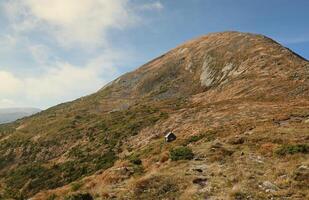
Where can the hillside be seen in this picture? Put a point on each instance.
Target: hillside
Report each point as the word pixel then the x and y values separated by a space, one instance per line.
pixel 11 114
pixel 237 102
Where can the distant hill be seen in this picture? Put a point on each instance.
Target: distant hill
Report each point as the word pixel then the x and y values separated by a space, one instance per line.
pixel 238 104
pixel 12 114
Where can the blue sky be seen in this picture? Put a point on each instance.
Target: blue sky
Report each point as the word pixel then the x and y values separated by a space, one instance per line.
pixel 53 51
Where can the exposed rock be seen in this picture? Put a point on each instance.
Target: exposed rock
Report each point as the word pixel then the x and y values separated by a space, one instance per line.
pixel 198 170
pixel 200 181
pixel 269 187
pixel 236 140
pixel 208 74
pixel 302 173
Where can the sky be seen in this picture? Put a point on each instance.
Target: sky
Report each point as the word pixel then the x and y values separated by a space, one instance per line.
pixel 53 51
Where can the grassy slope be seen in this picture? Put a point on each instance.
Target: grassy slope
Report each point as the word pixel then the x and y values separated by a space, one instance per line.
pixel 235 126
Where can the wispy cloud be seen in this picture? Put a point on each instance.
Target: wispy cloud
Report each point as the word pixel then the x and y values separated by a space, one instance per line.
pixel 71 23
pixel 39 29
pixel 152 6
pixel 59 83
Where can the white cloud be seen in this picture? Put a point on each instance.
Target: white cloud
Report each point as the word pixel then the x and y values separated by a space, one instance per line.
pixel 40 53
pixel 70 23
pixel 7 103
pixel 9 84
pixel 8 40
pixel 59 83
pixel 35 26
pixel 152 6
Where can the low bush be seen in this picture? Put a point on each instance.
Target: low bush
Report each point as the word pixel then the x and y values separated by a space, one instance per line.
pixel 134 159
pixel 292 149
pixel 194 138
pixel 181 153
pixel 76 186
pixel 79 196
pixel 209 136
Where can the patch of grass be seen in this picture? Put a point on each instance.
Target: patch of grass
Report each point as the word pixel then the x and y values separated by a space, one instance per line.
pixel 33 178
pixel 6 129
pixel 134 159
pixel 194 138
pixel 105 161
pixel 181 153
pixel 156 187
pixel 76 186
pixel 79 196
pixel 37 177
pixel 210 135
pixel 292 149
pixel 107 133
pixel 11 194
pixel 238 195
pixel 122 124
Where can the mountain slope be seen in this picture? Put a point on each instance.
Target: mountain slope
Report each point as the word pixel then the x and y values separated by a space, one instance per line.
pixel 12 114
pixel 240 101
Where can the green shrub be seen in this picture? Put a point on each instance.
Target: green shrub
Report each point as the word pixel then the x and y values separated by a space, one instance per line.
pixel 76 186
pixel 209 135
pixel 52 197
pixel 181 153
pixel 134 159
pixel 293 149
pixel 105 161
pixel 194 138
pixel 239 195
pixel 79 196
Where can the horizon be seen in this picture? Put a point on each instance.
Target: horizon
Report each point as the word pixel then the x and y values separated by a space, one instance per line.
pixel 48 59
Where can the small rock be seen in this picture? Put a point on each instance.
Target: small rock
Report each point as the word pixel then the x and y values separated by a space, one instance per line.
pixel 269 187
pixel 198 159
pixel 216 145
pixel 284 176
pixel 200 181
pixel 236 140
pixel 257 159
pixel 301 173
pixel 198 170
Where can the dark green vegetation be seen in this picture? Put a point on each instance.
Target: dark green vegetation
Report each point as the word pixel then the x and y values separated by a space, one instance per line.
pixel 293 149
pixel 134 159
pixel 35 177
pixel 208 136
pixel 105 135
pixel 79 196
pixel 76 186
pixel 181 153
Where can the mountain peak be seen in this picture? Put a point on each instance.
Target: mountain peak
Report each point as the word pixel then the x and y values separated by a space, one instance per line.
pixel 225 60
pixel 233 101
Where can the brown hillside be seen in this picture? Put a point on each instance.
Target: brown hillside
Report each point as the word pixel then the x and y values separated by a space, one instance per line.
pixel 239 101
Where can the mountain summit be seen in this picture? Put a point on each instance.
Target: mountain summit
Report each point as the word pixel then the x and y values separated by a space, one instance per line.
pixel 237 103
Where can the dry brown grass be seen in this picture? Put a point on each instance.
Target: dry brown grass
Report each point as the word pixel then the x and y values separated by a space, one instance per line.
pixel 258 100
